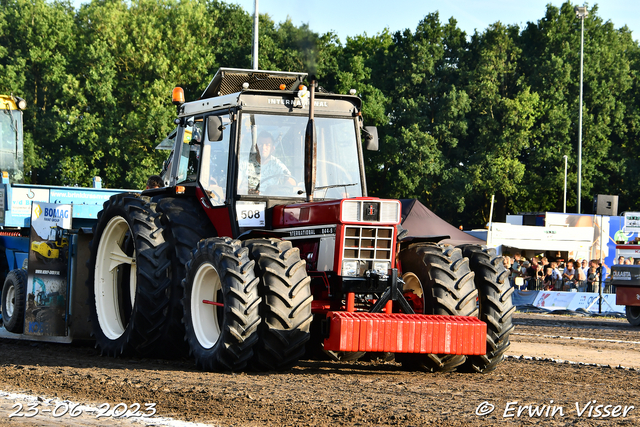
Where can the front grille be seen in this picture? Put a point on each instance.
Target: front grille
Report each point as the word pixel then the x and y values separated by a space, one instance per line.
pixel 388 211
pixel 367 244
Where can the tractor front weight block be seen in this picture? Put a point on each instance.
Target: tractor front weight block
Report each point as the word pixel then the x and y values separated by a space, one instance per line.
pixel 405 333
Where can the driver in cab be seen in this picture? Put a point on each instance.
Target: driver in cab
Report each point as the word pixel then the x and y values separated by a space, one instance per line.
pixel 268 171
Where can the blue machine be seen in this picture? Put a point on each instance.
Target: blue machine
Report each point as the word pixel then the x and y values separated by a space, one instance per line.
pixel 17 198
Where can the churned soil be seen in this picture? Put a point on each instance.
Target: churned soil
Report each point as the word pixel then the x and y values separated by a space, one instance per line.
pixel 538 382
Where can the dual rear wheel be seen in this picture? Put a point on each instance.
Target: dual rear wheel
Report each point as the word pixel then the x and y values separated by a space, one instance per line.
pixel 243 304
pixel 246 305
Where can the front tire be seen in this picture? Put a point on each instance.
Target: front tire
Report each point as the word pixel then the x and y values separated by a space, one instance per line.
pixel 13 301
pixel 286 303
pixel 129 279
pixel 221 338
pixel 495 305
pixel 448 287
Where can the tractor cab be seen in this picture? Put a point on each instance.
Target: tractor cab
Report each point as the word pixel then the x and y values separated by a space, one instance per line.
pixel 242 145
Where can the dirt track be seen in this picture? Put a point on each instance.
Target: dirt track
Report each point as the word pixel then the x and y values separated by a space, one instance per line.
pixel 350 394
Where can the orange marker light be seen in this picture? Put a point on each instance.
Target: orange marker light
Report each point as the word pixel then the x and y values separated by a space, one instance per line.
pixel 177 96
pixel 283 86
pixel 180 189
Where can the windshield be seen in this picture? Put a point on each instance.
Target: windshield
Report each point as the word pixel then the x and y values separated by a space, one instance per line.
pixel 271 157
pixel 11 151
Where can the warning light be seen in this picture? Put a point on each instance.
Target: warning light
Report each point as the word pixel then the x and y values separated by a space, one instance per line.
pixel 177 96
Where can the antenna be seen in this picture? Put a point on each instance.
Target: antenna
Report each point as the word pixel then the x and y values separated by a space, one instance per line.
pixel 254 50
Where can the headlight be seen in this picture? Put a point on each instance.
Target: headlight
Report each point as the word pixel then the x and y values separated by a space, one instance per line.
pixel 381 267
pixel 349 268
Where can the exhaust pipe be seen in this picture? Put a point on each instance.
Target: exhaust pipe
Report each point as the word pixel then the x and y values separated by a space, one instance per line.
pixel 310 147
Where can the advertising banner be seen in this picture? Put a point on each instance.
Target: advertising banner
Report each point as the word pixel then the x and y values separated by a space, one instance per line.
pixel 47 288
pixel 575 300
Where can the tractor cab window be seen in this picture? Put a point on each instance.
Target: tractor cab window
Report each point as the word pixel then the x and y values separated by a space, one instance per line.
pixel 11 140
pixel 215 158
pixel 271 157
pixel 190 151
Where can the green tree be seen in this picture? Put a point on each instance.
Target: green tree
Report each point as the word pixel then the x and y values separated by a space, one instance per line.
pixel 37 47
pixel 118 105
pixel 551 65
pixel 503 111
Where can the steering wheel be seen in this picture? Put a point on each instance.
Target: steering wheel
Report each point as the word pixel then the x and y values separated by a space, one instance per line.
pixel 278 185
pixel 346 175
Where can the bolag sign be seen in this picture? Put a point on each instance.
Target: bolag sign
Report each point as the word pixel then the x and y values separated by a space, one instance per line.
pixel 47 284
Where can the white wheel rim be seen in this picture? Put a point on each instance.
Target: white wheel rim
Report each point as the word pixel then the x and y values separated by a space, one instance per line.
pixel 109 257
pixel 412 283
pixel 204 317
pixel 11 301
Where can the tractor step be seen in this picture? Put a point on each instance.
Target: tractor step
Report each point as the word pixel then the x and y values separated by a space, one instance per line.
pixel 405 333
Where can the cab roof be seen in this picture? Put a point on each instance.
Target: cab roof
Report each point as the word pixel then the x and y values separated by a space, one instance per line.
pixel 231 80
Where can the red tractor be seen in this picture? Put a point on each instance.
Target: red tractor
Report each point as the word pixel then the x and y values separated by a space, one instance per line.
pixel 264 245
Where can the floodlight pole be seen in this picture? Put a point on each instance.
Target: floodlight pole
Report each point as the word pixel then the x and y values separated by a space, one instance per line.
pixel 564 209
pixel 254 50
pixel 581 13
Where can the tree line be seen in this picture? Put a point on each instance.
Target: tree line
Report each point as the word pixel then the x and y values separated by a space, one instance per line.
pixel 461 116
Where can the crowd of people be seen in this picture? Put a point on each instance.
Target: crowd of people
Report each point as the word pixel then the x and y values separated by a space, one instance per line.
pixel 540 273
pixel 627 261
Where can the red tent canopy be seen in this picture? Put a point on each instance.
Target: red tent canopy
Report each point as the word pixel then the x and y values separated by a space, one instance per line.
pixel 420 221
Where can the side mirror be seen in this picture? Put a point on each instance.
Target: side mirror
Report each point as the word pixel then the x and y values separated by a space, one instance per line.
pixel 371 138
pixel 214 128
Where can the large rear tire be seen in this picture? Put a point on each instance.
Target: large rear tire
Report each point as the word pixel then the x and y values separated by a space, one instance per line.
pixel 448 289
pixel 221 338
pixel 129 279
pixel 495 305
pixel 184 224
pixel 13 301
pixel 286 303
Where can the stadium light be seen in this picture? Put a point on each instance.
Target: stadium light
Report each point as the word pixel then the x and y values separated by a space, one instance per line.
pixel 581 13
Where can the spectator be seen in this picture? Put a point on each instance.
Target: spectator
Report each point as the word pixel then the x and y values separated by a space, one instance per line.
pixel 527 274
pixel 627 262
pixel 155 181
pixel 603 271
pixel 557 276
pixel 620 260
pixel 568 277
pixel 549 283
pixel 535 262
pixel 545 262
pixel 584 264
pixel 592 279
pixel 516 261
pixel 539 277
pixel 581 282
pixel 516 269
pixel 506 261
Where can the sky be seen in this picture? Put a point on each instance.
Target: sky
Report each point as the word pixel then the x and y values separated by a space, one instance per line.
pixel 356 17
pixel 350 18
